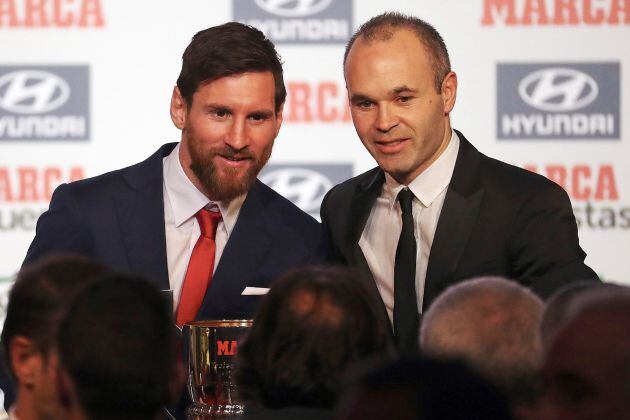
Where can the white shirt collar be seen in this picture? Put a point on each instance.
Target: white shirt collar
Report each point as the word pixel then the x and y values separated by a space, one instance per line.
pixel 186 200
pixel 428 185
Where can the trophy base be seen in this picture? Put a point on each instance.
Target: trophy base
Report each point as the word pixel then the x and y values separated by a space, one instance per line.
pixel 204 412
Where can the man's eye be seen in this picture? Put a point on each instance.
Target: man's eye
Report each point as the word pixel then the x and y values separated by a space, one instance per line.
pixel 404 99
pixel 258 117
pixel 365 104
pixel 220 113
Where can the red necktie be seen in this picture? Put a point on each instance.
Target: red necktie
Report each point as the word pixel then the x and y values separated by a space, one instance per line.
pixel 200 266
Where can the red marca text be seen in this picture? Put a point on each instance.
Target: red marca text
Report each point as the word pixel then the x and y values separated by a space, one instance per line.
pixel 27 184
pixel 556 12
pixel 51 13
pixel 581 181
pixel 316 102
pixel 226 348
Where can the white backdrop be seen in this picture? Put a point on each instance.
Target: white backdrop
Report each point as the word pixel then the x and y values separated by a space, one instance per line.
pixel 119 61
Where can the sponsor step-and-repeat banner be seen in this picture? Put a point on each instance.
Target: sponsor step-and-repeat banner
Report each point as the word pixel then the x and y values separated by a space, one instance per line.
pixel 85 87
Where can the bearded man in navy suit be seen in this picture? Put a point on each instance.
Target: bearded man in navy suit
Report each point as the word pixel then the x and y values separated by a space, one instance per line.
pixel 145 218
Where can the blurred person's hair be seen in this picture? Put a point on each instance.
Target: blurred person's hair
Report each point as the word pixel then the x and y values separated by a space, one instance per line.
pixel 226 50
pixel 117 346
pixel 421 389
pixel 40 296
pixel 563 305
pixel 312 327
pixel 382 28
pixel 492 324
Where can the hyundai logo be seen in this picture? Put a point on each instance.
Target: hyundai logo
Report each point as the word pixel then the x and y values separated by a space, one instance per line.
pixel 304 187
pixel 32 92
pixel 558 89
pixel 293 8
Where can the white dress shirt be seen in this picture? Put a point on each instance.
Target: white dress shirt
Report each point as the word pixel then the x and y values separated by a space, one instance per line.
pixel 182 200
pixel 381 232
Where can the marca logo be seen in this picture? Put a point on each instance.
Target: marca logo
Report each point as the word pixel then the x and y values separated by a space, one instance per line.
pixel 321 102
pixel 227 348
pixel 51 13
pixel 593 188
pixel 305 185
pixel 32 92
pixel 293 8
pixel 298 21
pixel 558 89
pixel 555 12
pixel 558 101
pixel 44 103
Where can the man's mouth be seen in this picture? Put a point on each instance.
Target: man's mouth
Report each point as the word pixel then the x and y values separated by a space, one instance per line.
pixel 391 146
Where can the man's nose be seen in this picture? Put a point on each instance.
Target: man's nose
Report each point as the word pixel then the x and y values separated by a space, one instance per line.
pixel 237 135
pixel 386 118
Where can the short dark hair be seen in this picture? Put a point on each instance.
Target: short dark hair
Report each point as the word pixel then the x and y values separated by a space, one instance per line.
pixel 225 50
pixel 314 325
pixel 381 27
pixel 117 345
pixel 40 296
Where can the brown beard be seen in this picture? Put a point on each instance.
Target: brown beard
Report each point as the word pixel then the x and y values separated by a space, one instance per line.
pixel 231 182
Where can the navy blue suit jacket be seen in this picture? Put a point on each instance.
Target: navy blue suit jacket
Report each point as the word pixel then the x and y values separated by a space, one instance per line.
pixel 118 218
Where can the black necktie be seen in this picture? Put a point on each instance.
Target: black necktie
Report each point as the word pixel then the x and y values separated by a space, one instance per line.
pixel 406 321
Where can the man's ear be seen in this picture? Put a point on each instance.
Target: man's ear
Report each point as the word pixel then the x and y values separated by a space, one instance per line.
pixel 26 360
pixel 449 92
pixel 179 109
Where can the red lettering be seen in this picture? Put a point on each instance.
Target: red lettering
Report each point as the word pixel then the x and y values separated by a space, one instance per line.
pixel 531 167
pixel 497 7
pixel 52 177
pixel 326 112
pixel 5 186
pixel 298 102
pixel 565 11
pixel 91 14
pixel 62 17
pixel 535 7
pixel 28 184
pixel 592 17
pixel 46 13
pixel 7 13
pixel 606 185
pixel 226 348
pixel 35 14
pixel 618 7
pixel 580 175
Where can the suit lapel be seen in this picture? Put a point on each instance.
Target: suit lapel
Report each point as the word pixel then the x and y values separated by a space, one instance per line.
pixel 457 219
pixel 140 212
pixel 244 252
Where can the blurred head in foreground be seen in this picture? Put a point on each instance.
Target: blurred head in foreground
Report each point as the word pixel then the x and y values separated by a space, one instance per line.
pixel 37 302
pixel 586 372
pixel 492 324
pixel 419 389
pixel 117 351
pixel 313 326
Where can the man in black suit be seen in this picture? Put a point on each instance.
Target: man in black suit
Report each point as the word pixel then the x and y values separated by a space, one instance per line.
pixel 198 200
pixel 435 211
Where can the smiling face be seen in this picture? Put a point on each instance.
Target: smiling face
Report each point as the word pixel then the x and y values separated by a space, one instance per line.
pixel 227 132
pixel 398 114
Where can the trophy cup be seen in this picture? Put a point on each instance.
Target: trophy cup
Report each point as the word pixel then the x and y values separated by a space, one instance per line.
pixel 213 345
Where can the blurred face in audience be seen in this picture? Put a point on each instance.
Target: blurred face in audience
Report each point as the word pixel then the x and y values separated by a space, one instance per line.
pixel 587 370
pixel 37 377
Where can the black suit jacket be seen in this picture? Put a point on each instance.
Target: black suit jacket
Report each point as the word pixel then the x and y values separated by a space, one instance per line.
pixel 496 219
pixel 118 218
